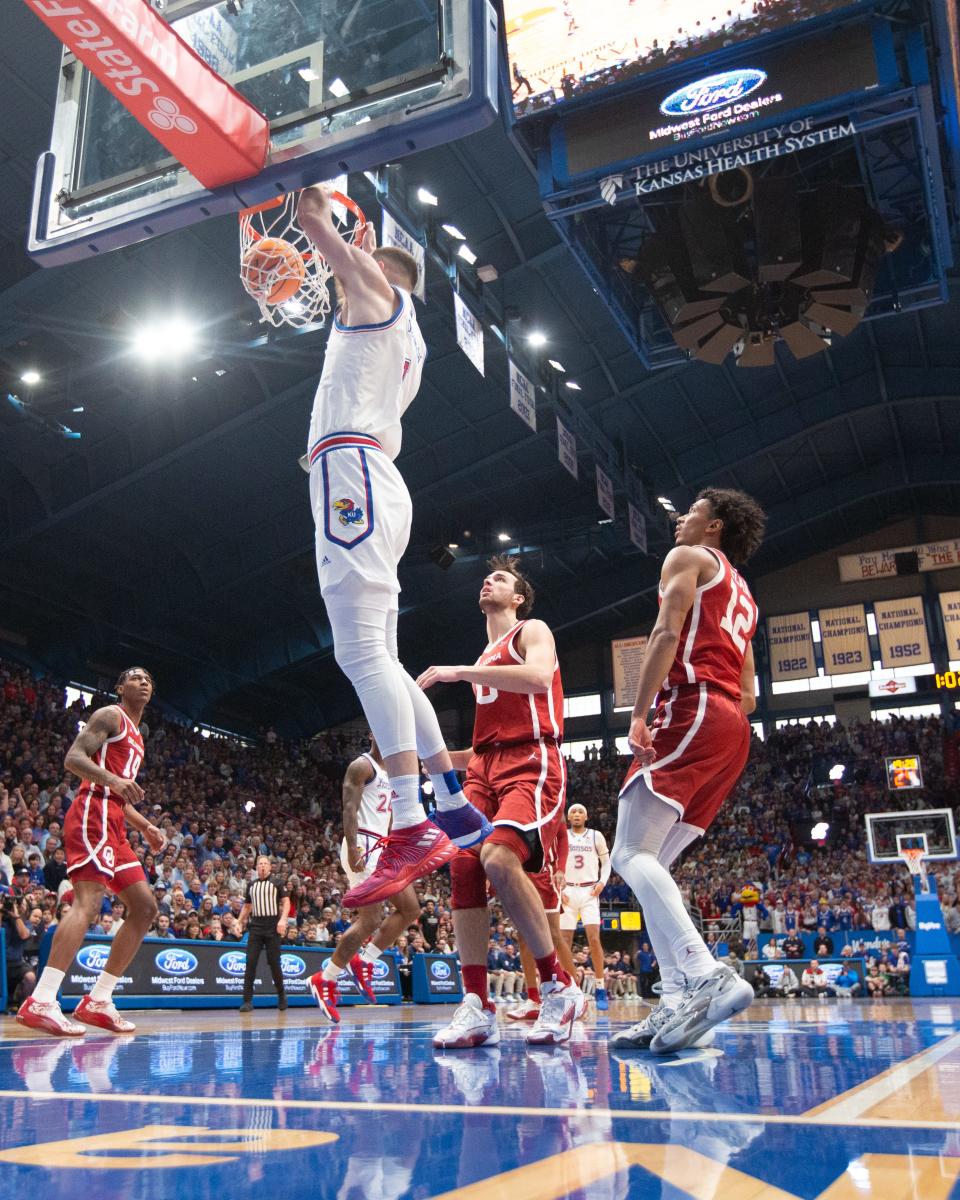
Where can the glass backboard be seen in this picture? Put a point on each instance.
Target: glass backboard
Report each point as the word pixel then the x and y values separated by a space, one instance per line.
pixel 346 85
pixel 886 833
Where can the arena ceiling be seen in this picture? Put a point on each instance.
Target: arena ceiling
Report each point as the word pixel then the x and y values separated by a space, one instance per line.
pixel 177 530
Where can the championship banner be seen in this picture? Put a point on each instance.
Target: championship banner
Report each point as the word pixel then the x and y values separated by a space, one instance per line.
pixel 628 655
pixel 638 528
pixel 469 333
pixel 950 608
pixel 902 632
pixel 394 234
pixel 882 564
pixel 846 645
pixel 605 493
pixel 218 135
pixel 567 448
pixel 523 399
pixel 790 646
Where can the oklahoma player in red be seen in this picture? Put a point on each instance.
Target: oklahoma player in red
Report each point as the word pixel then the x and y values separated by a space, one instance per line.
pixel 517 777
pixel 106 754
pixel 699 666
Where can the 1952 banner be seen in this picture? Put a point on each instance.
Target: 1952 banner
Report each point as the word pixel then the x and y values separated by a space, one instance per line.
pixel 950 608
pixel 846 646
pixel 790 643
pixel 902 632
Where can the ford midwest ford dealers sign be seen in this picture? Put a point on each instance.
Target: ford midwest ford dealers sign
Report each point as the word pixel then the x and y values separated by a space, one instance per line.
pixel 714 91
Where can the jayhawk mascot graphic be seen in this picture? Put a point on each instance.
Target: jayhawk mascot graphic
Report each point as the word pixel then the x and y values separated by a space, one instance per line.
pixel 349 513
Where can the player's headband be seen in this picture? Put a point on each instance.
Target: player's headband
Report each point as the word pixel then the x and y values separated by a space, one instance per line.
pixel 125 675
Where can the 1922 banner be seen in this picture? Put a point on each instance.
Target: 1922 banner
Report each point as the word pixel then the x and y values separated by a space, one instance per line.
pixel 902 632
pixel 846 646
pixel 790 643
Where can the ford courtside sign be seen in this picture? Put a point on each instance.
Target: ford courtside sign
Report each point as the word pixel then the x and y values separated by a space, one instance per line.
pixel 713 92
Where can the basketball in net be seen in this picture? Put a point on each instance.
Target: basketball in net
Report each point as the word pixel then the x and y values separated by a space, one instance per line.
pixel 281 268
pixel 272 270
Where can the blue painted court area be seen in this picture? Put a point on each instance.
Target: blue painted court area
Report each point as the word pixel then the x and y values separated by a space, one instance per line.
pixel 834 1100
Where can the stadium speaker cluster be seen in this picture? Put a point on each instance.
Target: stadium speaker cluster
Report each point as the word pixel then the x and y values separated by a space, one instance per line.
pixel 745 263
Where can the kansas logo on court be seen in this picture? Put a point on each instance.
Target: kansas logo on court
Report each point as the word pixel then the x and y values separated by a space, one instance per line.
pixel 349 513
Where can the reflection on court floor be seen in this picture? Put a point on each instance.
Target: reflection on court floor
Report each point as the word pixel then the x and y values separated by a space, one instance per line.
pixel 830 1101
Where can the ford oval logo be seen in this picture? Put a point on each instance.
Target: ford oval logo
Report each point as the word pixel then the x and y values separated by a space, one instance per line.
pixel 234 962
pixel 176 962
pixel 713 91
pixel 292 965
pixel 440 970
pixel 380 969
pixel 93 958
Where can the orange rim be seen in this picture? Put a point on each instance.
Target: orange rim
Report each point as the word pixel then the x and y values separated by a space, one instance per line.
pixel 351 206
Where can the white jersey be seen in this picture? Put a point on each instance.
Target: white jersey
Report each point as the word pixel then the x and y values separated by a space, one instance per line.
pixel 374 815
pixel 583 857
pixel 371 374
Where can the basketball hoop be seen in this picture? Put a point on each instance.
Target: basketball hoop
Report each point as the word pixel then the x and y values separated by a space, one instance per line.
pixel 281 268
pixel 916 863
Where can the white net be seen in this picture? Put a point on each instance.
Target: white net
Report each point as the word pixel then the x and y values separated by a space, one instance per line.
pixel 281 268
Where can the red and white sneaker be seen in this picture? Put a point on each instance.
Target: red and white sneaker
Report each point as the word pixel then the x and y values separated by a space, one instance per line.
pixel 529 1010
pixel 471 1025
pixel 363 973
pixel 408 854
pixel 558 1010
pixel 103 1014
pixel 326 993
pixel 47 1016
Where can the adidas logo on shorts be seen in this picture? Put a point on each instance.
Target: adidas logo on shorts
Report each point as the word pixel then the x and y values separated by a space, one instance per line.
pixel 324 562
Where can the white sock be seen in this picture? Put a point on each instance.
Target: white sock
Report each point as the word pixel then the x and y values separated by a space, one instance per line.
pixel 331 971
pixel 405 805
pixel 103 988
pixel 48 986
pixel 370 952
pixel 447 789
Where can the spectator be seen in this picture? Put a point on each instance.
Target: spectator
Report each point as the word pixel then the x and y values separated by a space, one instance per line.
pixel 646 963
pixel 823 944
pixel 813 982
pixel 430 924
pixel 792 947
pixel 18 933
pixel 846 983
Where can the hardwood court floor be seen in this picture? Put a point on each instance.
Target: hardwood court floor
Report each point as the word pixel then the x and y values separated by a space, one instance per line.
pixel 832 1100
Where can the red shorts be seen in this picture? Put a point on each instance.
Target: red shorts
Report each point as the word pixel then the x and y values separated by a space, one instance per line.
pixel 702 740
pixel 522 789
pixel 547 891
pixel 95 841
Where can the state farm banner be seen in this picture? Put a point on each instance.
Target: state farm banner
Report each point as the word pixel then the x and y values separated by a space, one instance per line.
pixel 218 135
pixel 628 655
pixel 790 647
pixel 523 399
pixel 567 448
pixel 882 564
pixel 469 333
pixel 394 234
pixel 950 608
pixel 605 493
pixel 846 645
pixel 902 632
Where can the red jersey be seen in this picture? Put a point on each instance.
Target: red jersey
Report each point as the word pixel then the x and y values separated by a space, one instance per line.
pixel 121 755
pixel 716 633
pixel 509 718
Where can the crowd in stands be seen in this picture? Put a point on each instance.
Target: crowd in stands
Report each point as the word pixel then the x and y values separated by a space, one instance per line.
pixel 223 801
pixel 727 25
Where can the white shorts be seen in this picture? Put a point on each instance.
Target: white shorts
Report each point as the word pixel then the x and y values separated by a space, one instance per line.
pixel 580 906
pixel 367 842
pixel 361 510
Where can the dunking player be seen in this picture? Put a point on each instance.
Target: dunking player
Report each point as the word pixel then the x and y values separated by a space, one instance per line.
pixel 361 508
pixel 106 754
pixel 586 875
pixel 517 776
pixel 366 823
pixel 700 660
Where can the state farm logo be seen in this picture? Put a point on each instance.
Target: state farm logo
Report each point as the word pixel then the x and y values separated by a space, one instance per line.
pixel 713 91
pixel 166 115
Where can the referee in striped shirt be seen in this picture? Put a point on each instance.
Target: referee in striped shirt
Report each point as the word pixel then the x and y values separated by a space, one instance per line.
pixel 265 909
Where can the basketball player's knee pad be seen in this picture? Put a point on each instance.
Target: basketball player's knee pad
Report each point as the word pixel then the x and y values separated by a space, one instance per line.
pixel 468 881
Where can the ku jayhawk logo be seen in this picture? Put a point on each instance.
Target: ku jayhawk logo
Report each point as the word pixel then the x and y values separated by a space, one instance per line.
pixel 350 513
